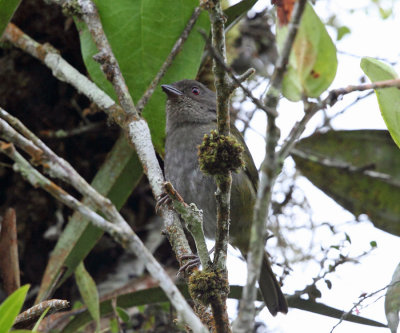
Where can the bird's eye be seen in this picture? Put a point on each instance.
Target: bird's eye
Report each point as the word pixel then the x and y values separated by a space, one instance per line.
pixel 195 90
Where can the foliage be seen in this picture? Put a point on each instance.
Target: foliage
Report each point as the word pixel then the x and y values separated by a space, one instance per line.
pixel 389 98
pixel 11 307
pixel 312 63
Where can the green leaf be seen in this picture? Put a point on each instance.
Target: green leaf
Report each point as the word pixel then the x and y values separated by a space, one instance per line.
pixel 325 310
pixel 114 325
pixel 88 290
pixel 236 12
pixel 388 98
pixel 312 62
pixel 156 295
pixel 7 10
pixel 385 13
pixel 123 314
pixel 359 169
pixel 116 179
pixel 36 327
pixel 342 31
pixel 392 301
pixel 142 34
pixel 11 307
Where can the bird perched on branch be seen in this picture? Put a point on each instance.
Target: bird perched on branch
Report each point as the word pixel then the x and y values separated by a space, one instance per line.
pixel 191 113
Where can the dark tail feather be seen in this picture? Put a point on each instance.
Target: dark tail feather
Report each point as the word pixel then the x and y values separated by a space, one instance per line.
pixel 270 289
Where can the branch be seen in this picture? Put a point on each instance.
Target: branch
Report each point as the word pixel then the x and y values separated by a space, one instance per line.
pixel 36 179
pixel 362 299
pixel 269 171
pixel 54 165
pixel 224 87
pixel 193 218
pixel 330 100
pixel 295 133
pixel 336 93
pixel 238 81
pixel 62 70
pixel 105 57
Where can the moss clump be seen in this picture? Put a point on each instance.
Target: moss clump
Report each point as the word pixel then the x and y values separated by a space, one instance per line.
pixel 219 154
pixel 207 286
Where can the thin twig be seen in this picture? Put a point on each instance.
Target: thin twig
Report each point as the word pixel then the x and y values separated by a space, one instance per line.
pixel 363 298
pixel 234 78
pixel 330 100
pixel 336 93
pixel 167 63
pixel 62 134
pixel 328 120
pixel 295 133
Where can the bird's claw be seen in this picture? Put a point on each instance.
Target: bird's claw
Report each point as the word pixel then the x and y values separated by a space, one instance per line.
pixel 163 200
pixel 193 261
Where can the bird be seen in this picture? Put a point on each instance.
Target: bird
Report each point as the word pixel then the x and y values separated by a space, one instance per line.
pixel 190 114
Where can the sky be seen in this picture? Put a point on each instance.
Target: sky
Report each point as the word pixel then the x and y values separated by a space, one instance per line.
pixel 370 36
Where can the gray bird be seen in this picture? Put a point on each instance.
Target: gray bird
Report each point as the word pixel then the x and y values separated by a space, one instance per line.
pixel 191 113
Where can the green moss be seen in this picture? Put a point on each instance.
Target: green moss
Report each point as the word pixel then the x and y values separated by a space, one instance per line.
pixel 219 154
pixel 207 286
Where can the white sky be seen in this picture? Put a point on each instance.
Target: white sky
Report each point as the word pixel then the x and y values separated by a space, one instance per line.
pixel 374 37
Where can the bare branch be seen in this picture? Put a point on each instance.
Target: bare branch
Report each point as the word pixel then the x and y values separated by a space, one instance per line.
pixel 62 70
pixel 336 93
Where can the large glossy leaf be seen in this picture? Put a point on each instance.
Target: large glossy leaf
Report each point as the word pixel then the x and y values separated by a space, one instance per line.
pixel 7 10
pixel 116 179
pixel 312 62
pixel 359 169
pixel 388 98
pixel 141 34
pixel 156 295
pixel 11 307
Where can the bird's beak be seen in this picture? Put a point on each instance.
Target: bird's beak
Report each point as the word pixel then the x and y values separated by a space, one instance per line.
pixel 171 91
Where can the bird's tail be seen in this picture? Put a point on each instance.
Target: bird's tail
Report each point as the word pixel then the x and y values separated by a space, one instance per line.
pixel 270 289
